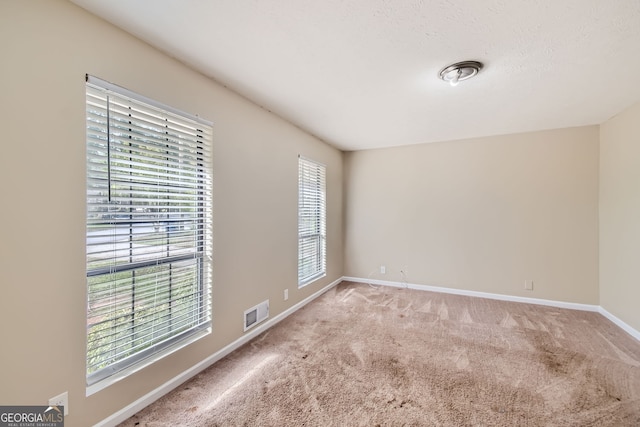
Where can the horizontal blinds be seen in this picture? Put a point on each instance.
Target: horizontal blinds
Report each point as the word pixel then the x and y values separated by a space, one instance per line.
pixel 311 220
pixel 148 227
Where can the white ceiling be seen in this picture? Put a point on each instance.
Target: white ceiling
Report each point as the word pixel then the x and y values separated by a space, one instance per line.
pixel 364 73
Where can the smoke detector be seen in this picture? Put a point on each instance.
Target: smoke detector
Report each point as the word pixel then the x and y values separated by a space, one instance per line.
pixel 455 73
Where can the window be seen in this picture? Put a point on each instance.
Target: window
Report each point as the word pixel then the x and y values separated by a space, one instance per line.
pixel 311 221
pixel 148 229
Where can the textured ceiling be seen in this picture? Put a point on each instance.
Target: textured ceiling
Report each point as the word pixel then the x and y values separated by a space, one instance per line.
pixel 364 73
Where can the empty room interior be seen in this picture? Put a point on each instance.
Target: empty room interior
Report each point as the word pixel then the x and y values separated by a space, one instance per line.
pixel 473 167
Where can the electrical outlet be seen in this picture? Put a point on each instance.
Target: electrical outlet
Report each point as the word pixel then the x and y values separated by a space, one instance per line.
pixel 61 400
pixel 286 294
pixel 528 285
pixel 383 269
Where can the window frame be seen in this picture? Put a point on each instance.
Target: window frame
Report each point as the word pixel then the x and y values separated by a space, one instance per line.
pixel 312 221
pixel 182 318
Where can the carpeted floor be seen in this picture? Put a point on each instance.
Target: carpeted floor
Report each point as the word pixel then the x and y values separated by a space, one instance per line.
pixel 365 356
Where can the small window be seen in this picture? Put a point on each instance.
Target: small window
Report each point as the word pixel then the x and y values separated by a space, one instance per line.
pixel 311 221
pixel 148 229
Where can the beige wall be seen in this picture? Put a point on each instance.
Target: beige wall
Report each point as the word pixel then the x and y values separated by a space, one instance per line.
pixel 47 47
pixel 483 214
pixel 620 216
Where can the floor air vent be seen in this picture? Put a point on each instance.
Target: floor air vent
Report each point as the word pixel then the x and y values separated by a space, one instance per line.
pixel 256 314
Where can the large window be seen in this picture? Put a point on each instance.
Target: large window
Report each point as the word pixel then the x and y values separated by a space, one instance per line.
pixel 311 221
pixel 148 229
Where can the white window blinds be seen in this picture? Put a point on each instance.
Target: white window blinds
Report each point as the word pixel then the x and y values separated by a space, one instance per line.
pixel 148 228
pixel 311 221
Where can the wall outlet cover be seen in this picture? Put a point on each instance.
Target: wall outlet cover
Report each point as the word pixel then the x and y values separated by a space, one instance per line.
pixel 61 400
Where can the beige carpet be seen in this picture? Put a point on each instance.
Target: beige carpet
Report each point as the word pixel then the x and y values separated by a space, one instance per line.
pixel 366 356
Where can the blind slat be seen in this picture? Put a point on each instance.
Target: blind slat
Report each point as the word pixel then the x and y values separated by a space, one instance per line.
pixel 148 227
pixel 311 221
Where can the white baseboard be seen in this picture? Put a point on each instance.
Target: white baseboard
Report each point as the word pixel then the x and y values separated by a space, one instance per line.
pixel 165 388
pixel 624 326
pixel 527 300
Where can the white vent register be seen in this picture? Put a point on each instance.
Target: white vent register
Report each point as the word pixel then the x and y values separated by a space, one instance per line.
pixel 256 314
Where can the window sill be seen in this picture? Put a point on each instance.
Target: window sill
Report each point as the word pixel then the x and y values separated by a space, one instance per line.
pixel 311 280
pixel 102 384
